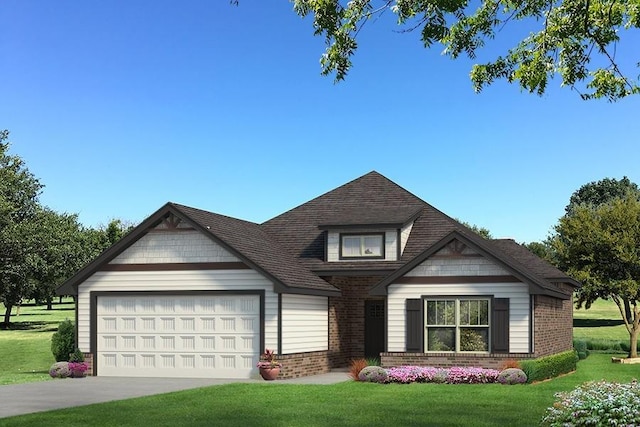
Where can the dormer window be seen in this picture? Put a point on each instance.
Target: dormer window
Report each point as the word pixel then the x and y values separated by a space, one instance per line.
pixel 359 246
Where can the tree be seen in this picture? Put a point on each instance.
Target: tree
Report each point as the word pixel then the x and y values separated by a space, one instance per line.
pixel 543 249
pixel 63 247
pixel 482 231
pixel 600 247
pixel 599 192
pixel 576 39
pixel 19 191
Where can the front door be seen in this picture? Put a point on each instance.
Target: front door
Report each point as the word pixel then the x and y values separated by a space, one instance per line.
pixel 374 328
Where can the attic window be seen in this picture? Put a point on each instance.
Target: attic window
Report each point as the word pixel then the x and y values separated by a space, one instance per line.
pixel 362 246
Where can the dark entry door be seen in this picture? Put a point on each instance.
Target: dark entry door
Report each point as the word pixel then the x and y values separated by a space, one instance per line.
pixel 374 328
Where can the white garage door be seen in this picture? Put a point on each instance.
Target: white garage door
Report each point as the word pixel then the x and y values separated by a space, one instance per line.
pixel 196 336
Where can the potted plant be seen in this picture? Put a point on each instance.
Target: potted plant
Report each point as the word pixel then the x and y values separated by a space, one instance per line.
pixel 268 366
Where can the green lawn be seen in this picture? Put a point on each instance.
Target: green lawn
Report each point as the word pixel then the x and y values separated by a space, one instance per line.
pixel 602 322
pixel 345 404
pixel 25 349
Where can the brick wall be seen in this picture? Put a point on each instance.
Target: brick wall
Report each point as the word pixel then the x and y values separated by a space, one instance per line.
pixel 446 360
pixel 88 359
pixel 346 318
pixel 303 364
pixel 553 325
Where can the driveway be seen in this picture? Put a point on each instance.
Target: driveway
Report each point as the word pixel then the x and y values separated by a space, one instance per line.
pixel 20 399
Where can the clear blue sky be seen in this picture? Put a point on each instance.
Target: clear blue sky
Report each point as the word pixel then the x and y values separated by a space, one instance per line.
pixel 121 106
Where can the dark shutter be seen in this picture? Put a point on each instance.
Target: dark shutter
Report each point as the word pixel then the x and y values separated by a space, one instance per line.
pixel 500 326
pixel 415 328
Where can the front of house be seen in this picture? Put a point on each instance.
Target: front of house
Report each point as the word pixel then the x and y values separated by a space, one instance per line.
pixel 367 269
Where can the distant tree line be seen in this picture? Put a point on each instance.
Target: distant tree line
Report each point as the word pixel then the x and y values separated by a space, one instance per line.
pixel 39 248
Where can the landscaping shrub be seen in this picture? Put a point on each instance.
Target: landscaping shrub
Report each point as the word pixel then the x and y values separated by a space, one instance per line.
pixel 76 356
pixel 512 376
pixel 63 342
pixel 356 366
pixel 550 366
pixel 509 363
pixel 374 374
pixel 580 346
pixel 456 375
pixel 60 370
pixel 596 404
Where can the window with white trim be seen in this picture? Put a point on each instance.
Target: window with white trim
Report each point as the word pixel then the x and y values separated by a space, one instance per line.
pixel 362 246
pixel 457 324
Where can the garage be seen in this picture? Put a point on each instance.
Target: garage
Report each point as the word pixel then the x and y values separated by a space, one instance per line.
pixel 195 336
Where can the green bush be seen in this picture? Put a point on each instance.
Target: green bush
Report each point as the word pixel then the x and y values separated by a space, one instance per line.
pixel 596 404
pixel 63 342
pixel 580 346
pixel 76 356
pixel 549 366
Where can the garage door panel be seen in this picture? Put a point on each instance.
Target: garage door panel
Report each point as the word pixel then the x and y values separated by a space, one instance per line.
pixel 167 336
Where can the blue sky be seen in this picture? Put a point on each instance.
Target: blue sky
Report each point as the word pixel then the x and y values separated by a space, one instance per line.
pixel 121 106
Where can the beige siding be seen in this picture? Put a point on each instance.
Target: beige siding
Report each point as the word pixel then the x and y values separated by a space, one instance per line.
pixel 390 246
pixel 176 281
pixel 519 313
pixel 305 323
pixel 174 247
pixel 404 236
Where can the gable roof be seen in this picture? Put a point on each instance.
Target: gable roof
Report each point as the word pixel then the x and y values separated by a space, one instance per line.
pixel 290 249
pixel 244 239
pixel 501 252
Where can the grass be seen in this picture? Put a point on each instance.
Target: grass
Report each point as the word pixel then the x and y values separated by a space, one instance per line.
pixel 345 404
pixel 30 338
pixel 602 322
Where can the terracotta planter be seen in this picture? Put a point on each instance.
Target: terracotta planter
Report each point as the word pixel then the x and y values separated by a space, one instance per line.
pixel 269 374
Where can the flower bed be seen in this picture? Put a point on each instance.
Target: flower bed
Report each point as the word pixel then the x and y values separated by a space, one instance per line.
pixel 455 375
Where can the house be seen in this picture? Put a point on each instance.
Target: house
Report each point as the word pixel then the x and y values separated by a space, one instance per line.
pixel 367 269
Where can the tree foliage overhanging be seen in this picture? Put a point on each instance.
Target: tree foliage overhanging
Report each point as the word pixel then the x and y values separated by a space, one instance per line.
pixel 575 39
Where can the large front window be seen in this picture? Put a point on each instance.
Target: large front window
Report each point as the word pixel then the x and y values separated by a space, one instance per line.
pixel 362 246
pixel 457 324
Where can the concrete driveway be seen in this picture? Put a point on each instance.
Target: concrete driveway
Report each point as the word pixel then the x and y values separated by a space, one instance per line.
pixel 20 399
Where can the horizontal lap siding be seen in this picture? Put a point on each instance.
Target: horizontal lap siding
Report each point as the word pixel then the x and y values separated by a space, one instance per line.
pixel 518 308
pixel 176 281
pixel 305 323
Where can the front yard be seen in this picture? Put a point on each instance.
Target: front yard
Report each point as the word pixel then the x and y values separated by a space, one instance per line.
pixel 345 404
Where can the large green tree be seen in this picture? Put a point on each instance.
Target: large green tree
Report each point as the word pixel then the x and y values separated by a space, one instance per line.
pixel 62 246
pixel 19 191
pixel 599 245
pixel 575 39
pixel 599 192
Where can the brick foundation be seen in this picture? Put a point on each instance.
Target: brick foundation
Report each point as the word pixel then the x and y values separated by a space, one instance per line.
pixel 304 364
pixel 447 360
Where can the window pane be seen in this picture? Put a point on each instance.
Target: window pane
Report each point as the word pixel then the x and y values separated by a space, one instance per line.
pixel 372 246
pixel 464 312
pixel 441 339
pixel 474 312
pixel 351 246
pixel 450 313
pixel 484 312
pixel 431 313
pixel 474 339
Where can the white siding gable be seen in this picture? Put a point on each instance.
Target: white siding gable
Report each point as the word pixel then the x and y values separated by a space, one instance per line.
pixel 174 247
pixel 305 323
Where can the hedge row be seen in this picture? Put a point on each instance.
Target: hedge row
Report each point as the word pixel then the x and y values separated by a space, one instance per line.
pixel 550 366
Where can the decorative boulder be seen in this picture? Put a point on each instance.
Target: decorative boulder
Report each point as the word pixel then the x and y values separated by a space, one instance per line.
pixel 60 370
pixel 373 374
pixel 512 376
